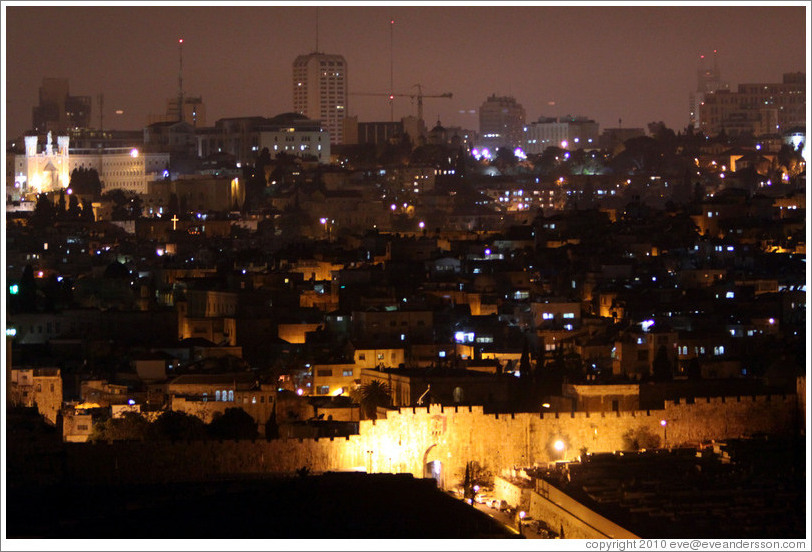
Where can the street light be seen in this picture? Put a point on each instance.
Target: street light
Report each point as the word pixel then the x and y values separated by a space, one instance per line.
pixel 521 521
pixel 665 433
pixel 560 446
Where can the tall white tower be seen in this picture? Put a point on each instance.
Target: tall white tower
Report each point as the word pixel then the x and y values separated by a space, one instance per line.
pixel 320 91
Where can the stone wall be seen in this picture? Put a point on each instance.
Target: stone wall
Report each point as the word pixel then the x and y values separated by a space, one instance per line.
pixel 570 518
pixel 409 438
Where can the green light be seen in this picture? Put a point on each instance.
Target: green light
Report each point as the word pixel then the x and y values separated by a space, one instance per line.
pixel 14 289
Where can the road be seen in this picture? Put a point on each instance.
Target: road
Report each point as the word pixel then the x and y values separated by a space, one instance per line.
pixel 507 521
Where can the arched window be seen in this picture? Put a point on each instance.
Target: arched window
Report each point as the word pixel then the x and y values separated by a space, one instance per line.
pixel 231 396
pixel 217 395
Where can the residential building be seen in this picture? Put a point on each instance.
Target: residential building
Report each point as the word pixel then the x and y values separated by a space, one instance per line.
pixel 40 387
pixel 297 135
pixel 708 81
pixel 320 91
pixel 570 132
pixel 194 112
pixel 501 122
pixel 335 379
pixel 57 110
pixel 756 108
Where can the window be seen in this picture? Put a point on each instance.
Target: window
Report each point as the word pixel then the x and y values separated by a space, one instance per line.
pixel 39 388
pixel 325 373
pixel 362 356
pixel 230 396
pixel 346 373
pixel 547 316
pixel 81 427
pixel 380 356
pixel 216 395
pixel 323 390
pixel 569 315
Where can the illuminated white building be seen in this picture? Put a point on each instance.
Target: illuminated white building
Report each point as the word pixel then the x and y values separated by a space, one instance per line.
pixel 320 91
pixel 49 170
pixel 295 135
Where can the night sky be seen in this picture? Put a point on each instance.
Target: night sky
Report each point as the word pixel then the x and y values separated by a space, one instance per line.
pixel 632 63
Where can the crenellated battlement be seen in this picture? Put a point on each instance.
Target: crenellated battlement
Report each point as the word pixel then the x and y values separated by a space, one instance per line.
pixel 408 440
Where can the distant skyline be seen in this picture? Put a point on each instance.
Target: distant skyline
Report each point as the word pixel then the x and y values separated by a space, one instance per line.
pixel 608 62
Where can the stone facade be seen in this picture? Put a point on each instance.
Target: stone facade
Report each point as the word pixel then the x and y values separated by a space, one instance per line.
pixel 409 439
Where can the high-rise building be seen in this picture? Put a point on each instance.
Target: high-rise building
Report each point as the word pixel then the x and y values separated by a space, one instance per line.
pixel 58 111
pixel 708 81
pixel 320 91
pixel 501 122
pixel 756 108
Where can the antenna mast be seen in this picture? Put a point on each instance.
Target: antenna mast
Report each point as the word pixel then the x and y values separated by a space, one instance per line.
pixel 391 73
pixel 101 112
pixel 317 29
pixel 180 82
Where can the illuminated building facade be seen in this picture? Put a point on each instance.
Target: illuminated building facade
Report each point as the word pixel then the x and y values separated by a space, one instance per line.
pixel 562 132
pixel 296 135
pixel 320 91
pixel 501 122
pixel 757 108
pixel 49 170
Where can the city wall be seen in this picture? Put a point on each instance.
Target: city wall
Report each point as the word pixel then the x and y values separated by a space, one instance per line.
pixel 410 438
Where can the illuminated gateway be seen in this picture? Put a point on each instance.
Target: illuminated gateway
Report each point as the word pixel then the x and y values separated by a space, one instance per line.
pixel 49 170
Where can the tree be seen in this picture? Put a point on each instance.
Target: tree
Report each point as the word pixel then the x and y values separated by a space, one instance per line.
pixel 87 211
pixel 694 369
pixel 661 366
pixel 27 290
pixel 74 211
pixel 640 438
pixel 173 425
pixel 374 394
pixel 272 426
pixel 60 211
pixel 234 423
pixel 131 426
pixel 44 212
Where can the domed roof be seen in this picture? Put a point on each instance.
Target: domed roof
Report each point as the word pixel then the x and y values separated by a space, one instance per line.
pixel 438 127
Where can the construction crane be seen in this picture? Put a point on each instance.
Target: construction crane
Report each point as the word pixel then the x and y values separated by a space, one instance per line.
pixel 419 95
